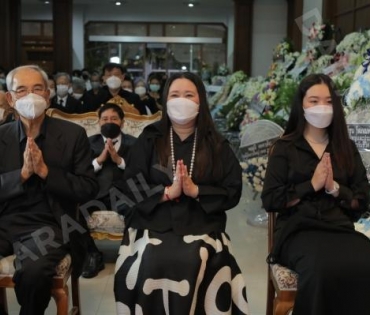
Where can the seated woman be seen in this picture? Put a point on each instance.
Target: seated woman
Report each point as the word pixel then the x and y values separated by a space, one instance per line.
pixel 175 256
pixel 317 183
pixel 148 102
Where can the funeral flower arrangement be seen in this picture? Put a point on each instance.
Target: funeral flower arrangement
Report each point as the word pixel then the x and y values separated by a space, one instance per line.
pixel 359 91
pixel 254 171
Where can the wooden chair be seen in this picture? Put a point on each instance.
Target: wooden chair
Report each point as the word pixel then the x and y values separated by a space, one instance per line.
pixel 126 107
pixel 59 291
pixel 107 224
pixel 281 281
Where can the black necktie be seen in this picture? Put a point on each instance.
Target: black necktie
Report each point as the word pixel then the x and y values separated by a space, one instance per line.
pixel 61 102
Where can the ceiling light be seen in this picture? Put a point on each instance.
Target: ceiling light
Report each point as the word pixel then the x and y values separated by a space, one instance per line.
pixel 118 3
pixel 191 3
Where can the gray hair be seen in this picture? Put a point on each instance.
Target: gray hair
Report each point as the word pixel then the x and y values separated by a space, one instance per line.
pixel 62 74
pixel 12 73
pixel 78 83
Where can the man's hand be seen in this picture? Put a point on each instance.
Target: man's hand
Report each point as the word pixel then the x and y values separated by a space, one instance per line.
pixel 38 163
pixel 27 168
pixel 103 155
pixel 112 152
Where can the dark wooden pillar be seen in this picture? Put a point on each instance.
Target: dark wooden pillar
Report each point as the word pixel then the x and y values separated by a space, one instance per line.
pixel 62 28
pixel 243 13
pixel 294 23
pixel 10 33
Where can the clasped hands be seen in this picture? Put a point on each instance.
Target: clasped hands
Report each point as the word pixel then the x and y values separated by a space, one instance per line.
pixel 323 175
pixel 109 150
pixel 182 183
pixel 33 162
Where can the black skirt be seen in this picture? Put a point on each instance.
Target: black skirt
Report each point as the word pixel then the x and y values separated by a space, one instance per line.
pixel 165 273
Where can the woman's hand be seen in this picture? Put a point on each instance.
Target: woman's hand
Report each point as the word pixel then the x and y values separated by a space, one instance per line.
pixel 320 175
pixel 174 191
pixel 330 184
pixel 188 186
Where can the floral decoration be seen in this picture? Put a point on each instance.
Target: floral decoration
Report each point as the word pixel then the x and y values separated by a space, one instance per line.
pixel 235 115
pixel 254 171
pixel 223 70
pixel 359 91
pixel 352 42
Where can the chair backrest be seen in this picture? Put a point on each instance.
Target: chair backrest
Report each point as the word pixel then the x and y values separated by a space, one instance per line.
pixel 126 106
pixel 270 228
pixel 133 125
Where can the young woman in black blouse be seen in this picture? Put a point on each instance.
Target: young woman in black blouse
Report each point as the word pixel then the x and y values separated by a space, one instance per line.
pixel 317 183
pixel 181 178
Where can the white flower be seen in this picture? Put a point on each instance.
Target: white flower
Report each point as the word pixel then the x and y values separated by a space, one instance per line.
pixel 352 42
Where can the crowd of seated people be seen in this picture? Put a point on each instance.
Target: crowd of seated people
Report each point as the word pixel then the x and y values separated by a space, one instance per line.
pixel 82 91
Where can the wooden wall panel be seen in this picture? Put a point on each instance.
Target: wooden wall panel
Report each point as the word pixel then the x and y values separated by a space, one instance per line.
pixel 344 24
pixel 362 18
pixel 360 3
pixel 344 5
pixel 347 15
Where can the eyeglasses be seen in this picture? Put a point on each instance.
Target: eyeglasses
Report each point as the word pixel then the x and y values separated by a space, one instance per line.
pixel 21 92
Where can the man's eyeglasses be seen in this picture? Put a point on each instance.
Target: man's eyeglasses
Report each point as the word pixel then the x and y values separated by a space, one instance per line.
pixel 21 92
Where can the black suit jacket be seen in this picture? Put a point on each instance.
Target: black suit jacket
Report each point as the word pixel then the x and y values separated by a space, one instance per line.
pixel 110 172
pixel 70 181
pixel 72 105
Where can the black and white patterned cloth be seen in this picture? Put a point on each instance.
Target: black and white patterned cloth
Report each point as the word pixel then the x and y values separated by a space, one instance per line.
pixel 164 273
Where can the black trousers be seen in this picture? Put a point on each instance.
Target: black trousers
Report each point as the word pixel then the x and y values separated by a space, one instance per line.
pixel 38 251
pixel 333 272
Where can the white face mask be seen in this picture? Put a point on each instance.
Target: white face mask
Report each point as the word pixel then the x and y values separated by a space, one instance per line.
pixel 52 93
pixel 140 90
pixel 319 116
pixel 77 96
pixel 31 106
pixel 128 90
pixel 62 90
pixel 182 110
pixel 113 82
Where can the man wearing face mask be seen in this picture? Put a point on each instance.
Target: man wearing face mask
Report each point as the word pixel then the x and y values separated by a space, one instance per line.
pixel 110 149
pixel 62 100
pixel 113 75
pixel 45 172
pixel 80 94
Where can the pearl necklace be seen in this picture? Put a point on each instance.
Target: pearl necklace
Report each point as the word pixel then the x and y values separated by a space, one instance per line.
pixel 173 154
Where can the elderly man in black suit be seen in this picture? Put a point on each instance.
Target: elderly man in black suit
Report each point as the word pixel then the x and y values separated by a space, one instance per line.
pixel 110 149
pixel 45 172
pixel 63 100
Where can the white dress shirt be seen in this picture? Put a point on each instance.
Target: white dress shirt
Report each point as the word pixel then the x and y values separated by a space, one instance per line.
pixel 117 143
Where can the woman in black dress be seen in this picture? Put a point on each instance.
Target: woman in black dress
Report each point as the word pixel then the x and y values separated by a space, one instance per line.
pixel 180 180
pixel 317 183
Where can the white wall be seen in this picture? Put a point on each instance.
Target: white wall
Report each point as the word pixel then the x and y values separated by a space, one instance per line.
pixel 269 28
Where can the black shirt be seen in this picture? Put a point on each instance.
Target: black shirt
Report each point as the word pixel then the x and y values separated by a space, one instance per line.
pixel 30 210
pixel 291 166
pixel 145 180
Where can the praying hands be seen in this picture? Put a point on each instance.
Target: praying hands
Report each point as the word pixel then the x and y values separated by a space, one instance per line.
pixel 33 162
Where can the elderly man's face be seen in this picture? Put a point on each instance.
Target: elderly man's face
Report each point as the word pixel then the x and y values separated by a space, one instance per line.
pixel 28 80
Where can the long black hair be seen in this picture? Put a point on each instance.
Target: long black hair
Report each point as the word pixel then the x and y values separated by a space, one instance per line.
pixel 337 130
pixel 209 140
